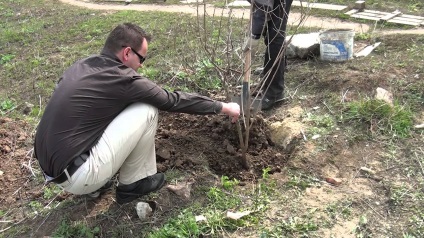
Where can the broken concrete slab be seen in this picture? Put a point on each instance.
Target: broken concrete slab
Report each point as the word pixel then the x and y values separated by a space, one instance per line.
pixel 239 3
pixel 367 50
pixel 302 45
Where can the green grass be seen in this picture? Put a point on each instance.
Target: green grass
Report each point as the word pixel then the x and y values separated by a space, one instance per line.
pixel 292 227
pixel 220 199
pixel 75 229
pixel 379 116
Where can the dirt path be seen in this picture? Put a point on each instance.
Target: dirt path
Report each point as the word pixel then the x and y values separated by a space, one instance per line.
pixel 294 19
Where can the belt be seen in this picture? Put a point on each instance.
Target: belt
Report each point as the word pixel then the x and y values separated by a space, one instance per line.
pixel 71 168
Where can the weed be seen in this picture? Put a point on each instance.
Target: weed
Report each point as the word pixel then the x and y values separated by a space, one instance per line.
pixel 417 226
pixel 205 76
pixel 265 173
pixel 362 230
pixel 266 187
pixel 343 209
pixel 184 225
pixel 301 181
pixel 4 59
pixel 262 197
pixel 150 72
pixel 6 105
pixel 36 206
pixel 35 112
pixel 220 200
pixel 77 229
pixel 216 223
pixel 363 36
pixel 51 191
pixel 380 116
pixel 291 226
pixel 321 124
pixel 228 184
pixel 415 6
pixel 398 194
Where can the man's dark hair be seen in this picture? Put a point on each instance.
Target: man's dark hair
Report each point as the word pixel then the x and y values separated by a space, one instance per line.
pixel 126 34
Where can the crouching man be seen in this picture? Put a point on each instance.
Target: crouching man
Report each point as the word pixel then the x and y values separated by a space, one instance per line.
pixel 102 118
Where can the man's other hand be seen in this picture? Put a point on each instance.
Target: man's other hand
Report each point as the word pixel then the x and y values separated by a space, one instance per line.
pixel 251 44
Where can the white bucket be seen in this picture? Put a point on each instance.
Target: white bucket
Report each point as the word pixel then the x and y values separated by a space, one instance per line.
pixel 336 44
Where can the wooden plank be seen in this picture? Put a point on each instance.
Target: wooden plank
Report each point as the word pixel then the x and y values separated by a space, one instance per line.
pixel 404 22
pixel 371 15
pixel 319 5
pixel 375 14
pixel 413 17
pixel 394 17
pixel 391 15
pixel 374 18
pixel 367 17
pixel 353 11
pixel 407 19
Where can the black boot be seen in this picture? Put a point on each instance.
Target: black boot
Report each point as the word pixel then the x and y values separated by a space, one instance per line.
pixel 270 102
pixel 130 192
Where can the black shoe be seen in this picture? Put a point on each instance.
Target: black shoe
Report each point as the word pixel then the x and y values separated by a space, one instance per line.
pixel 268 103
pixel 130 192
pixel 101 190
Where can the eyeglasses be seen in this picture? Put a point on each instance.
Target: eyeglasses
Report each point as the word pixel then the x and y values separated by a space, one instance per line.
pixel 140 57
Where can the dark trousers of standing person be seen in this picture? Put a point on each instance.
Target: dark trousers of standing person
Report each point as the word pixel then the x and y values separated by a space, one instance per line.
pixel 271 22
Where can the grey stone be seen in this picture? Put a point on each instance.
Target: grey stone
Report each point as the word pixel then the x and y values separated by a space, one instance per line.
pixel 143 210
pixel 303 45
pixel 383 94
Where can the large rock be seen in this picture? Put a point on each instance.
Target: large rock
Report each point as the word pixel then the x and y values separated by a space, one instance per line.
pixel 288 132
pixel 303 45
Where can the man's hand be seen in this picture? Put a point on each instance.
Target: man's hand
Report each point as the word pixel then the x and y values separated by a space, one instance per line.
pixel 251 44
pixel 232 109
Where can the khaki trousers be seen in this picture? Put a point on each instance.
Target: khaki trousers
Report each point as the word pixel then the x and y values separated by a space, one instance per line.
pixel 127 145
